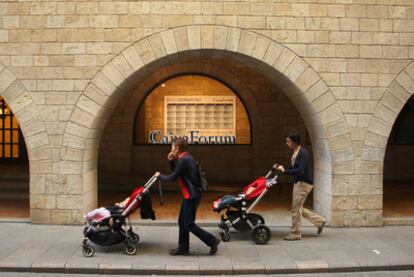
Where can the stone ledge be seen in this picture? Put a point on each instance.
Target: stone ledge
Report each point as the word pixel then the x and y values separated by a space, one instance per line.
pixel 183 270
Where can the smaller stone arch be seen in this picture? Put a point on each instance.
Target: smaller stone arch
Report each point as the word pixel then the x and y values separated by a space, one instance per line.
pixel 20 101
pixel 386 113
pixel 379 129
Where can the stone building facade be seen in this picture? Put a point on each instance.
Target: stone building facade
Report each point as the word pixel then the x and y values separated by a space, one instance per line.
pixel 345 65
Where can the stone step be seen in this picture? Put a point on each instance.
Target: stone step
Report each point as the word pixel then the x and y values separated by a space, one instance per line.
pixel 398 221
pixel 19 184
pixel 11 195
pixel 14 190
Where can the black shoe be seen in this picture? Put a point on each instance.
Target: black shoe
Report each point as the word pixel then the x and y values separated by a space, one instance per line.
pixel 320 228
pixel 213 247
pixel 179 252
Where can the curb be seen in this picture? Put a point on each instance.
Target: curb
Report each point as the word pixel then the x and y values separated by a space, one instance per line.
pixel 163 270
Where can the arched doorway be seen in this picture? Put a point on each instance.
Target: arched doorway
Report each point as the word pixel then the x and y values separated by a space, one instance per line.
pixel 398 166
pixel 14 167
pixel 229 165
pixel 377 152
pixel 313 99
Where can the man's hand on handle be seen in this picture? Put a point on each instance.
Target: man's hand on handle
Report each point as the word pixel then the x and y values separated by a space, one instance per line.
pixel 279 167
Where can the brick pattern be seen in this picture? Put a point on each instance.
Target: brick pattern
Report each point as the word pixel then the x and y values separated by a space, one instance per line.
pixel 73 57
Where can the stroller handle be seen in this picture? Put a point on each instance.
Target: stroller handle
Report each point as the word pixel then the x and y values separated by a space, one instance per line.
pixel 273 169
pixel 274 179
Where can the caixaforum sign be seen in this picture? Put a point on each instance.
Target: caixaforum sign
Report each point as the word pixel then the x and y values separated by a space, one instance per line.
pixel 193 137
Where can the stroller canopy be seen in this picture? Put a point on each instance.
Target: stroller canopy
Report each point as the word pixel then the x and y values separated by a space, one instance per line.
pixel 132 197
pixel 259 186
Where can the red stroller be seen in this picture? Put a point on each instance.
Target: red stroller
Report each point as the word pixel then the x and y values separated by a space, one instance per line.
pixel 109 230
pixel 235 211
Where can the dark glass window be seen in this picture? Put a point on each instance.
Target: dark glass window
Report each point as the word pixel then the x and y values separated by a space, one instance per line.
pixel 403 129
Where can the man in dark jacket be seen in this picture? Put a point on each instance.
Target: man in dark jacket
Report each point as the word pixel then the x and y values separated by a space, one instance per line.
pixel 299 169
pixel 185 171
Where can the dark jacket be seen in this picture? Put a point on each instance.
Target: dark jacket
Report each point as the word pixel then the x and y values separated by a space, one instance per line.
pixel 185 171
pixel 300 171
pixel 146 207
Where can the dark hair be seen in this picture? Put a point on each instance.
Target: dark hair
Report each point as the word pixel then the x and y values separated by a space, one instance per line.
pixel 181 143
pixel 294 136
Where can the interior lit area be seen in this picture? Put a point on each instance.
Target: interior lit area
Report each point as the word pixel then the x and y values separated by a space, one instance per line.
pixel 398 166
pixel 236 128
pixel 14 168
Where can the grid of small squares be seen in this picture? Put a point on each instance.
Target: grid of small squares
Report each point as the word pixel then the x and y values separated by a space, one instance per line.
pixel 9 133
pixel 208 119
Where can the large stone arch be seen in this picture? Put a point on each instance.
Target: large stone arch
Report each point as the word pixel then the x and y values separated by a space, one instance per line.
pixel 43 186
pixel 375 144
pixel 321 113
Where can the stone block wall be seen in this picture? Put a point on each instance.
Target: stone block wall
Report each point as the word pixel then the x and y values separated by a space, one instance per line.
pixel 346 66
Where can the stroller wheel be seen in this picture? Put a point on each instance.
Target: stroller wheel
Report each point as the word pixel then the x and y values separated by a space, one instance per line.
pixel 88 251
pixel 131 249
pixel 135 238
pixel 261 234
pixel 225 235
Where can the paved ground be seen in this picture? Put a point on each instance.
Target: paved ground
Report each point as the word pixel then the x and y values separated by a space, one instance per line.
pixel 57 249
pixel 407 273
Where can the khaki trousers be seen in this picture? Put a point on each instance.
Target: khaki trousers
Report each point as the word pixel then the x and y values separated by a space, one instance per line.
pixel 301 190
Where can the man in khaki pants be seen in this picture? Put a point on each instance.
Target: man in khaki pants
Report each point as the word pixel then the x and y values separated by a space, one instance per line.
pixel 303 185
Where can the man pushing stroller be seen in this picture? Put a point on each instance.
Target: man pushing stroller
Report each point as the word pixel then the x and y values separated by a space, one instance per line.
pixel 184 169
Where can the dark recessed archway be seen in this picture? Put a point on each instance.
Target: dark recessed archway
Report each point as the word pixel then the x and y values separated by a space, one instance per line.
pixel 123 162
pixel 398 173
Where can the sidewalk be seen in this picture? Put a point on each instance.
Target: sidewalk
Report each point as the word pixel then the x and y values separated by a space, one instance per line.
pixel 45 248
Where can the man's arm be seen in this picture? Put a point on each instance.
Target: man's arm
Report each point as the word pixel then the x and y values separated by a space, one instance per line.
pixel 172 164
pixel 179 168
pixel 303 162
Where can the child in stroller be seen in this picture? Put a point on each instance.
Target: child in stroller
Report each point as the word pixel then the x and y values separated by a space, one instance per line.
pixel 105 226
pixel 235 211
pixel 105 213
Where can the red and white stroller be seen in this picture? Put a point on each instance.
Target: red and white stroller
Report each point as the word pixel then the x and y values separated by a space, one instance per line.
pixel 235 211
pixel 108 225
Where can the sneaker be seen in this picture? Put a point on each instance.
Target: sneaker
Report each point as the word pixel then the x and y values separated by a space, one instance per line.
pixel 213 247
pixel 292 237
pixel 320 228
pixel 179 252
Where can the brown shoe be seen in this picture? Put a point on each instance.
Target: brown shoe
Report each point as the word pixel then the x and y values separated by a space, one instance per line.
pixel 292 237
pixel 213 247
pixel 179 252
pixel 320 228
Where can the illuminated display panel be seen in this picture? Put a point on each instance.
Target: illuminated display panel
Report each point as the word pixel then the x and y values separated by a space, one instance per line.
pixel 198 107
pixel 209 118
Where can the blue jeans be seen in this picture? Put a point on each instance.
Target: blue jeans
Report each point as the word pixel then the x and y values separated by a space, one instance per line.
pixel 186 223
